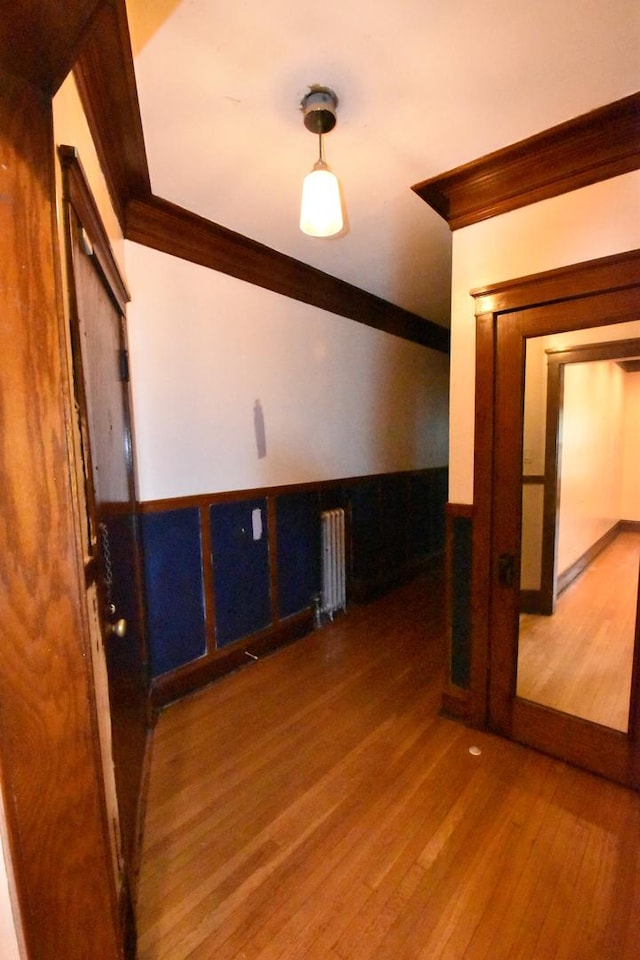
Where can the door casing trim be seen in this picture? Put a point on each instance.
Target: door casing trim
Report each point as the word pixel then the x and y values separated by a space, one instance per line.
pixel 616 274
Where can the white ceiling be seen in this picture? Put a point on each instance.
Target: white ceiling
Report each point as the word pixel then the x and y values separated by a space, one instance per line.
pixel 423 85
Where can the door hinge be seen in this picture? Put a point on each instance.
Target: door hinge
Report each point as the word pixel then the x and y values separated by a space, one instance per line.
pixel 124 366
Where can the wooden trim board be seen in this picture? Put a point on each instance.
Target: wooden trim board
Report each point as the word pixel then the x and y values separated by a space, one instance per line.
pixel 598 145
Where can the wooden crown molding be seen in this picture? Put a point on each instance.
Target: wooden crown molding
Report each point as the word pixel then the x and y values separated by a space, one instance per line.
pixel 39 39
pixel 171 229
pixel 595 146
pixel 105 76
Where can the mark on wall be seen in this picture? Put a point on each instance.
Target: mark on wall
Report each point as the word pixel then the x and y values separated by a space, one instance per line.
pixel 258 425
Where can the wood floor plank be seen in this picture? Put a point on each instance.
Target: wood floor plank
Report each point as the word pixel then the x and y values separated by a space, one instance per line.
pixel 316 806
pixel 580 659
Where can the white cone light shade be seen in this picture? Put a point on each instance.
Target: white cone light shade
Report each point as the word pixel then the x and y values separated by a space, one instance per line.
pixel 321 208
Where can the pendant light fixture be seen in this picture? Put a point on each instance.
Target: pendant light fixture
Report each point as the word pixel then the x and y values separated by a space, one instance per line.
pixel 321 208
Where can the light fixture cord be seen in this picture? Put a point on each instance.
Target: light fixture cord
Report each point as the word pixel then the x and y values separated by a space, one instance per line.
pixel 321 152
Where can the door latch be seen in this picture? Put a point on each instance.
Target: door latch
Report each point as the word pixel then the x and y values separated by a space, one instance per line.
pixel 506 569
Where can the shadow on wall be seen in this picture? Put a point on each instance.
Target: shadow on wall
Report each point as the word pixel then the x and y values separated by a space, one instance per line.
pixel 421 438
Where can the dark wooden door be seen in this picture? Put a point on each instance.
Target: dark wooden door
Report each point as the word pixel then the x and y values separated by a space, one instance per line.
pixel 612 753
pixel 97 299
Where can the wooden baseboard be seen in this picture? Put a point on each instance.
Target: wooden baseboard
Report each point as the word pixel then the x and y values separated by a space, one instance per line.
pixel 197 674
pixel 454 702
pixel 569 575
pixel 629 526
pixel 531 601
pixel 364 591
pixel 128 924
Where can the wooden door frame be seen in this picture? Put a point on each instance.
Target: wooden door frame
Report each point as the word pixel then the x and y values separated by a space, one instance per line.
pixel 57 830
pixel 79 206
pixel 557 361
pixel 618 275
pixel 593 746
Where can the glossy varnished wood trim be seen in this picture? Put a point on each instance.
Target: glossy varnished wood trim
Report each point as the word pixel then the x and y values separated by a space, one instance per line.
pixel 551 494
pixel 207 577
pixel 455 702
pixel 50 762
pixel 587 744
pixel 552 584
pixel 629 366
pixel 164 226
pixel 591 352
pixel 195 675
pixel 464 510
pixel 481 534
pixel 585 295
pixel 252 493
pixel 598 145
pixel 105 77
pixel 455 699
pixel 566 577
pixel 77 192
pixel 39 40
pixel 614 272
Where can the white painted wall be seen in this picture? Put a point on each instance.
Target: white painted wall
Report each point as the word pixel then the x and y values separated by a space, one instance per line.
pixel 338 398
pixel 600 427
pixel 591 457
pixel 595 221
pixel 70 127
pixel 630 508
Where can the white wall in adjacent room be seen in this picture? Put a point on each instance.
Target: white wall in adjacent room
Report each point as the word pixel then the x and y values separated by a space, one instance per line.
pixel 630 506
pixel 592 443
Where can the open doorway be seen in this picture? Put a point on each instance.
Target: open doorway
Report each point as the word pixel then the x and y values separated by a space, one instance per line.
pixel 580 530
pixel 562 303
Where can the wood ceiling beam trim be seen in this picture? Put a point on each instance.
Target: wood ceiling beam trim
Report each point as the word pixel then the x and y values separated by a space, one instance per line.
pixel 105 76
pixel 39 39
pixel 595 146
pixel 171 229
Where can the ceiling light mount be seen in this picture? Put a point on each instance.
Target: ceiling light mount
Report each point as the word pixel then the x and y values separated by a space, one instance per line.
pixel 319 107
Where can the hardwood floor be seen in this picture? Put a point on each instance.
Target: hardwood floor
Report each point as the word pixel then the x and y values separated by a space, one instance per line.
pixel 315 806
pixel 580 659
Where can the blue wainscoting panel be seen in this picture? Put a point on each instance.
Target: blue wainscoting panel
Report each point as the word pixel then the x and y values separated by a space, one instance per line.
pixel 240 569
pixel 394 493
pixel 366 530
pixel 174 588
pixel 427 512
pixel 440 489
pixel 298 537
